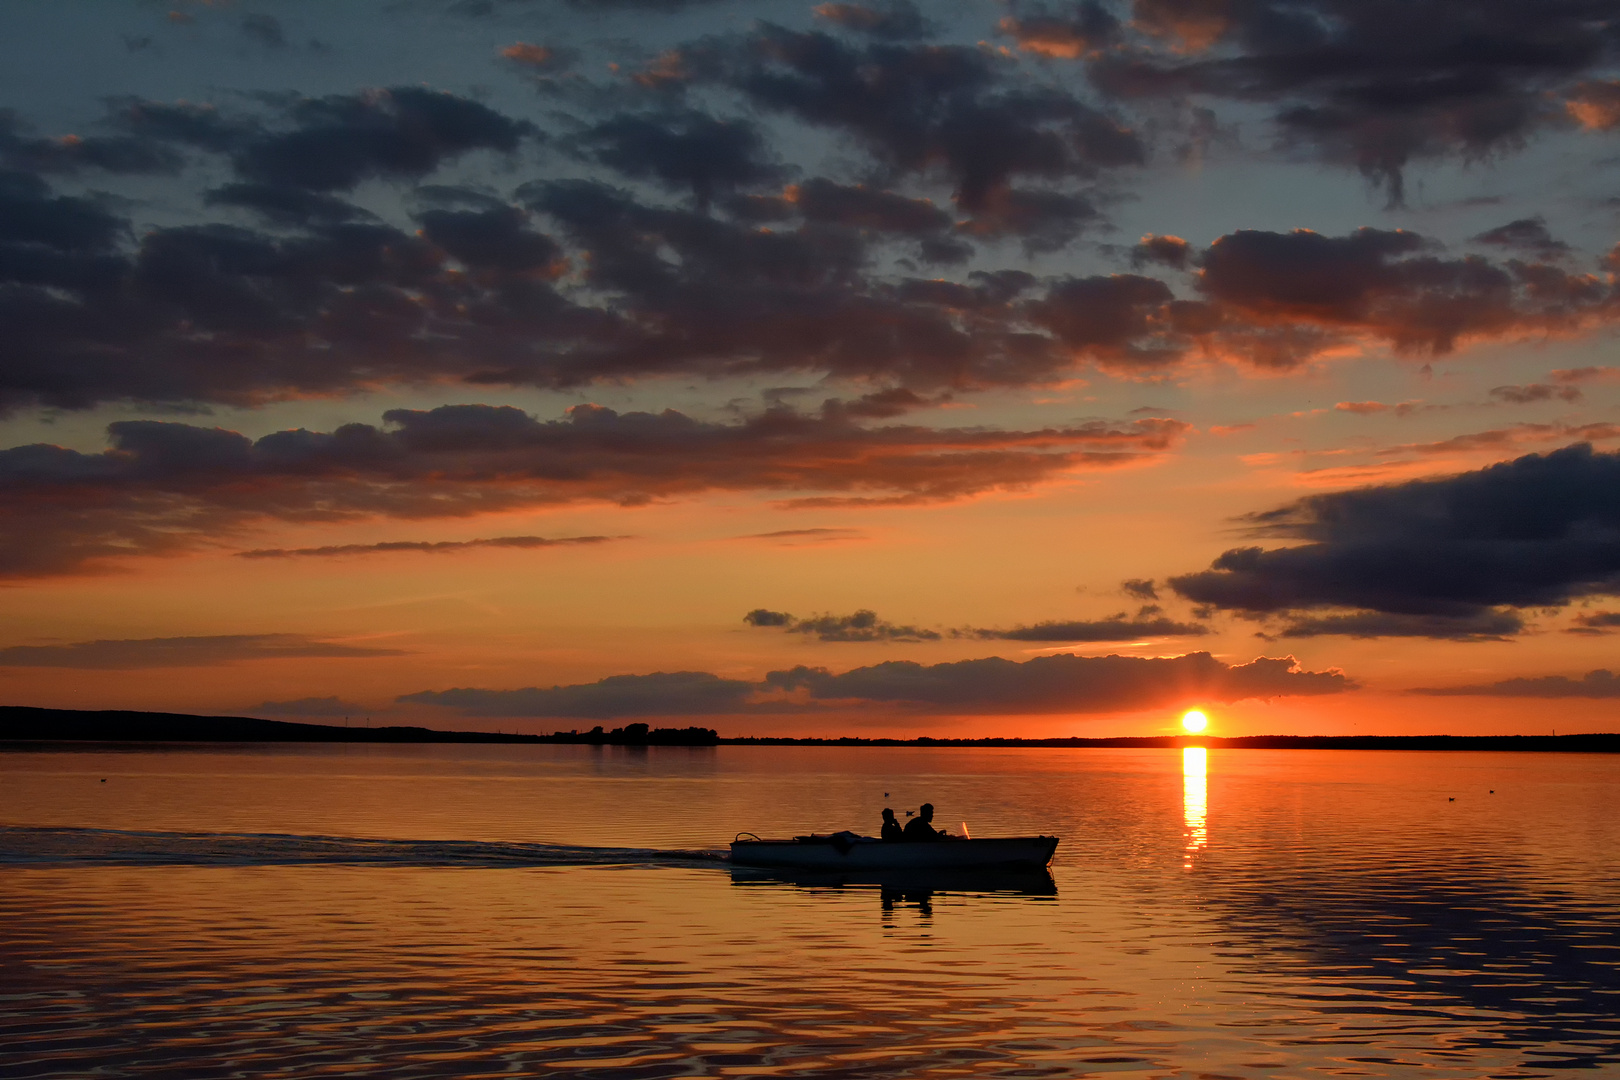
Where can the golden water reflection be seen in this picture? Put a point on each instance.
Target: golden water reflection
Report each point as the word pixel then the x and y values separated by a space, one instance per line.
pixel 1194 800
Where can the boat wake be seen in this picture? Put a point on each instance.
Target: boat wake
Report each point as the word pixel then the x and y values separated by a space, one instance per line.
pixel 22 845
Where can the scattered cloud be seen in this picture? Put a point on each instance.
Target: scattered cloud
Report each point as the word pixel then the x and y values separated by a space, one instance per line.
pixel 433 547
pixel 1120 627
pixel 1525 234
pixel 1595 622
pixel 1140 588
pixel 136 653
pixel 1534 392
pixel 1600 683
pixel 804 537
pixel 863 625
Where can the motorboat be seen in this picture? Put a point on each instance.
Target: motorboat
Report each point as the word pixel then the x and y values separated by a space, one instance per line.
pixel 844 851
pixel 1010 880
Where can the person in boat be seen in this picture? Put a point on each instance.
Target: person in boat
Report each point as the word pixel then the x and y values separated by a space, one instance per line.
pixel 891 831
pixel 921 828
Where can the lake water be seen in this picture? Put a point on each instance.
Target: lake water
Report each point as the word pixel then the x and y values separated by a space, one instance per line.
pixel 560 911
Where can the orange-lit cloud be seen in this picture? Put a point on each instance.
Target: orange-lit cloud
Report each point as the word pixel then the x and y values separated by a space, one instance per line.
pixel 169 486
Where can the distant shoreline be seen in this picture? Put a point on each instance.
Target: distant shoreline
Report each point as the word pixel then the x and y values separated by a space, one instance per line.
pixel 23 724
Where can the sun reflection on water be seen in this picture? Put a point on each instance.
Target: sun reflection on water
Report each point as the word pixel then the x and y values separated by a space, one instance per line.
pixel 1194 799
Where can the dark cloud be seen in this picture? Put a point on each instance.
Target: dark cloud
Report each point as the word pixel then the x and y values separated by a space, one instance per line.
pixel 1120 627
pixel 584 283
pixel 264 30
pixel 924 108
pixel 860 207
pixel 195 124
pixel 432 547
pixel 22 150
pixel 165 487
pixel 1525 395
pixel 1042 220
pixel 309 706
pixel 1061 683
pixel 1595 684
pixel 1171 251
pixel 494 239
pixel 287 206
pixel 684 150
pixel 863 625
pixel 1375 85
pixel 404 133
pixel 1048 684
pixel 1446 556
pixel 1525 234
pixel 137 653
pixel 878 405
pixel 674 693
pixel 1116 321
pixel 1282 297
pixel 1596 622
pixel 1141 588
pixel 1475 626
pixel 897 20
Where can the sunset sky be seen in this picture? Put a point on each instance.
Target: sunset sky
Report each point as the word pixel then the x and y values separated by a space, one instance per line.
pixel 970 369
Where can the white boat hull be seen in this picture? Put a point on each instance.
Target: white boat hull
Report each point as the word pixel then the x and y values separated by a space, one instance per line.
pixel 827 854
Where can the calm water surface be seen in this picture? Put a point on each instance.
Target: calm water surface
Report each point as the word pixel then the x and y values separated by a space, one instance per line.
pixel 560 911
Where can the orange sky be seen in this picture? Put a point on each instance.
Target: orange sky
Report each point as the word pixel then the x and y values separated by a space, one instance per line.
pixel 608 347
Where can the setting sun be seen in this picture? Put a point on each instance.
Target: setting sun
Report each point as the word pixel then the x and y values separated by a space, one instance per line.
pixel 1194 721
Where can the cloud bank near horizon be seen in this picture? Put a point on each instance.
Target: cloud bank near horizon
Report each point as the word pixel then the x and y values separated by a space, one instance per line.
pixel 1043 685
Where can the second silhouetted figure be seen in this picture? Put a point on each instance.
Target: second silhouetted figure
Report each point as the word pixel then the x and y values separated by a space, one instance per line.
pixel 921 827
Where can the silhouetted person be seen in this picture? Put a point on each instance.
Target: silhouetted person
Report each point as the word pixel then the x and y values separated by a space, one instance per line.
pixel 891 830
pixel 921 828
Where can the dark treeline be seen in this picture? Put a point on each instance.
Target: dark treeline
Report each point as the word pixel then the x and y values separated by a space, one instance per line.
pixel 24 724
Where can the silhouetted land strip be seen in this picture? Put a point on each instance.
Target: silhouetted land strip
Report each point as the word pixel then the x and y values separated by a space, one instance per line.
pixel 1605 743
pixel 24 724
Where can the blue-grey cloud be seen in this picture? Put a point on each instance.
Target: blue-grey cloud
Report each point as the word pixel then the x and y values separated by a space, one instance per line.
pixel 1453 557
pixel 1048 684
pixel 1600 683
pixel 862 625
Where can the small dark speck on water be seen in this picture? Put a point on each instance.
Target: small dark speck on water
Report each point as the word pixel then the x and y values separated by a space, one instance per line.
pixel 1452 799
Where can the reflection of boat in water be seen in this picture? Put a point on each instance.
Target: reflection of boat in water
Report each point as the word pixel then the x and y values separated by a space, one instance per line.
pixel 846 852
pixel 903 884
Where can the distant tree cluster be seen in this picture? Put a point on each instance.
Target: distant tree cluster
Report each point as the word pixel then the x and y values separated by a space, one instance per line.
pixel 640 735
